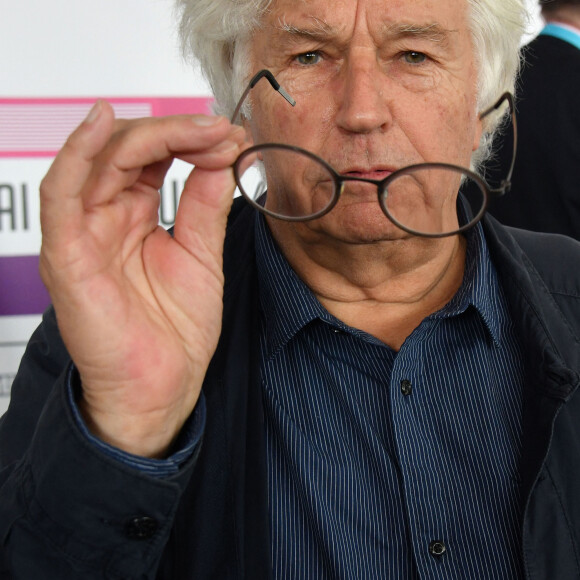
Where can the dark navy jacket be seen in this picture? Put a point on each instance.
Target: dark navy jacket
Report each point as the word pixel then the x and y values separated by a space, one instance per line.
pixel 69 512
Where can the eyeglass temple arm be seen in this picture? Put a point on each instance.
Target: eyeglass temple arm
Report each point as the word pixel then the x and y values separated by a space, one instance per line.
pixel 506 183
pixel 273 82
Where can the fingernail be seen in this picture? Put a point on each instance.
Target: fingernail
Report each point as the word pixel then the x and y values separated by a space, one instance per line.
pixel 206 120
pixel 94 113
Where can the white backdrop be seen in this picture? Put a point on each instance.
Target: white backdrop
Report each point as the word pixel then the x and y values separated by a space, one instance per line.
pixel 56 57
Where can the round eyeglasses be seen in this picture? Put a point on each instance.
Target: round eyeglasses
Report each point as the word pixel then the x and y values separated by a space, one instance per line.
pixel 426 199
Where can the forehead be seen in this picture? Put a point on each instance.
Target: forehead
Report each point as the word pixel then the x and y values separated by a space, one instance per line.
pixel 342 16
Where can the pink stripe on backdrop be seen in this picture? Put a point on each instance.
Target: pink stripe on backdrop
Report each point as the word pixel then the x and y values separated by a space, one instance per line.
pixel 21 289
pixel 39 127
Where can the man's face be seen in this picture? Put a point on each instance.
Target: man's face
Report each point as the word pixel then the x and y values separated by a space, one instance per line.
pixel 379 85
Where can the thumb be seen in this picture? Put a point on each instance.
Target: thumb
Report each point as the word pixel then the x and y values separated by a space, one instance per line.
pixel 203 209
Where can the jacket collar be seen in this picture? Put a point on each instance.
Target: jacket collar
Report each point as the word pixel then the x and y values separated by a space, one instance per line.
pixel 525 265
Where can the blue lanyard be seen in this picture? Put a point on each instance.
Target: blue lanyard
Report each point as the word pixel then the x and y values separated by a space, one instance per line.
pixel 563 33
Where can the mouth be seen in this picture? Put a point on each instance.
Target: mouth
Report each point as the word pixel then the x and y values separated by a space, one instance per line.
pixel 372 174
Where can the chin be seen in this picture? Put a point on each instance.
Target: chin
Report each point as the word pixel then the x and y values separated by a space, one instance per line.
pixel 360 225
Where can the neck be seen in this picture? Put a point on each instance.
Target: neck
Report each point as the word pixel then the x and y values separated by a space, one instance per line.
pixel 384 288
pixel 569 15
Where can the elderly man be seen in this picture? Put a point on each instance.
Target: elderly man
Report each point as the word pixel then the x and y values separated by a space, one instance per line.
pixel 359 379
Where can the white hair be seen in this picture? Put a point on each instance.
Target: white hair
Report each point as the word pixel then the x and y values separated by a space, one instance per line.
pixel 497 28
pixel 216 33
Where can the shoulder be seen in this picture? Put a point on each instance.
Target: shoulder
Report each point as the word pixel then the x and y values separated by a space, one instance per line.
pixel 549 249
pixel 550 57
pixel 555 257
pixel 549 46
pixel 542 268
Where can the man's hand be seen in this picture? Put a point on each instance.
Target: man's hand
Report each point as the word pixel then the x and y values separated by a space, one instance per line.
pixel 139 311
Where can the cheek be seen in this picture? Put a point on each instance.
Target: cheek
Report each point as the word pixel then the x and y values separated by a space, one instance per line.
pixel 304 125
pixel 259 127
pixel 272 125
pixel 455 129
pixel 313 126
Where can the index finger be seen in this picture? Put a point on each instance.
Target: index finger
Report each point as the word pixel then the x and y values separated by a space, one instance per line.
pixel 155 142
pixel 71 167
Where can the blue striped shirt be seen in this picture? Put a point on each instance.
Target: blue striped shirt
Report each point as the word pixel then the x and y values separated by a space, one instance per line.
pixel 387 464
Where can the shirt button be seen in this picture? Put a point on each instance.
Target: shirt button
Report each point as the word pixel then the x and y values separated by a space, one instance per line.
pixel 437 548
pixel 406 387
pixel 140 527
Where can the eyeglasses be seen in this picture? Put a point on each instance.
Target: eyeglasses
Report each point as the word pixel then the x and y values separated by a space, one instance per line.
pixel 431 200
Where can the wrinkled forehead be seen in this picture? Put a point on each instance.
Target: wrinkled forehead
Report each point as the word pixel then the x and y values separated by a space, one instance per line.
pixel 378 16
pixel 440 26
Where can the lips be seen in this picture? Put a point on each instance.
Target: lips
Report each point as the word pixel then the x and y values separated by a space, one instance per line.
pixel 374 174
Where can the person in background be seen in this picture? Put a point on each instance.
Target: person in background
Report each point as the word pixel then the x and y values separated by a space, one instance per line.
pixel 347 372
pixel 545 192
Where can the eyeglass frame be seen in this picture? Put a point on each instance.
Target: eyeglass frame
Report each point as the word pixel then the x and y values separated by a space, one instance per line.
pixel 381 185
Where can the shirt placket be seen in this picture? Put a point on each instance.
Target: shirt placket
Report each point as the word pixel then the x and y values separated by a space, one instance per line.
pixel 424 488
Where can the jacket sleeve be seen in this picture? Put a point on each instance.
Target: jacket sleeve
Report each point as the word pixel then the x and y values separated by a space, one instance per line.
pixel 67 509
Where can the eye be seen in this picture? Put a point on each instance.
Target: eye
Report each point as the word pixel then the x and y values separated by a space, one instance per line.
pixel 413 57
pixel 308 58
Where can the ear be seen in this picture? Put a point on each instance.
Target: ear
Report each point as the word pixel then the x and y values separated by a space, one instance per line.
pixel 477 134
pixel 247 128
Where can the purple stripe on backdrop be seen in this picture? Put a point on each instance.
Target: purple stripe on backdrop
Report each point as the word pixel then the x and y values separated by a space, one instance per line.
pixel 21 289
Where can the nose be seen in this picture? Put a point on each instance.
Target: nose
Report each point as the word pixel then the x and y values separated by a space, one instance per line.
pixel 361 101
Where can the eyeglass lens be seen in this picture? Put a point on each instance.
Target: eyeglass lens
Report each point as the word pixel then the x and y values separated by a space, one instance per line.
pixel 303 186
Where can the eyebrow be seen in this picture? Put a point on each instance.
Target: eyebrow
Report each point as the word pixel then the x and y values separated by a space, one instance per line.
pixel 322 31
pixel 432 32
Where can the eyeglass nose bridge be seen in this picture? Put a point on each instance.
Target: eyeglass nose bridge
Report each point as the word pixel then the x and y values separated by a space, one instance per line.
pixel 380 184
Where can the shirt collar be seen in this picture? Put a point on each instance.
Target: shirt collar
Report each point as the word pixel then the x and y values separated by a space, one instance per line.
pixel 480 287
pixel 288 304
pixel 564 32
